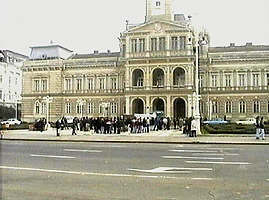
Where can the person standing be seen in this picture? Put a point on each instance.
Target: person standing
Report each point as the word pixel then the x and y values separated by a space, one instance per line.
pixel 262 132
pixel 258 130
pixel 194 127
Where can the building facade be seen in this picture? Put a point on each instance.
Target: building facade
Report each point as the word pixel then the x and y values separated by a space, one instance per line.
pixel 11 79
pixel 153 71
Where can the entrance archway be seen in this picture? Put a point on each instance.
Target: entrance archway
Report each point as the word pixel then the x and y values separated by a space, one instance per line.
pixel 158 105
pixel 138 106
pixel 179 108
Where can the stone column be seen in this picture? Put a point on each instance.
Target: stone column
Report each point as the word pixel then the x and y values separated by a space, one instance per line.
pixel 127 105
pixel 168 106
pixel 148 106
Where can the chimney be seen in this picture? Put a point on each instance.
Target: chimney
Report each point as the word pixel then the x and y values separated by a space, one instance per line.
pixel 249 44
pixel 232 44
pixel 108 51
pixel 95 52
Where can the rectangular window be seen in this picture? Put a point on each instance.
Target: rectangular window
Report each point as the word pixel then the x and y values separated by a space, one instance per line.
pixel 153 44
pixel 256 106
pixel 158 3
pixel 182 42
pixel 90 84
pixel 43 108
pixel 174 45
pixel 242 107
pixel 36 85
pixel 91 108
pixel 1 94
pixel 228 80
pixel 267 78
pixel 113 108
pixel 1 78
pixel 142 45
pixel 68 108
pixel 101 83
pixel 228 107
pixel 68 85
pixel 100 108
pixel 113 83
pixel 242 80
pixel 79 84
pixel 214 81
pixel 79 108
pixel 162 44
pixel 134 45
pixel 201 81
pixel 255 80
pixel 44 85
pixel 214 107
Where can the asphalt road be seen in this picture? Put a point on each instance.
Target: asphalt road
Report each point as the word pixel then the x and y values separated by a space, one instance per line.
pixel 98 171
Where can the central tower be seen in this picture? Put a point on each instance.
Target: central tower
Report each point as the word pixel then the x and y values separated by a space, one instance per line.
pixel 158 10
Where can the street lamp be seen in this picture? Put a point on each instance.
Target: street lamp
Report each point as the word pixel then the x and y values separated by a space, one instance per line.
pixel 80 104
pixel 48 100
pixel 196 95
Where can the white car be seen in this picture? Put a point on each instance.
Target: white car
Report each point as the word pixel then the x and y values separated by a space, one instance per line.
pixel 11 122
pixel 248 121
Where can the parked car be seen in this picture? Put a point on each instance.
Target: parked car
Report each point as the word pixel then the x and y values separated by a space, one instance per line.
pixel 215 121
pixel 12 121
pixel 247 121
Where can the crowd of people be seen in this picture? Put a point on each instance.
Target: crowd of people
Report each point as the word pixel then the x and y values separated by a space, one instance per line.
pixel 106 125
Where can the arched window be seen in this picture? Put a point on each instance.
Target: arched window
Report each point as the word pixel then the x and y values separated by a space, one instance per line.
pixel 138 78
pixel 158 78
pixel 179 77
pixel 37 107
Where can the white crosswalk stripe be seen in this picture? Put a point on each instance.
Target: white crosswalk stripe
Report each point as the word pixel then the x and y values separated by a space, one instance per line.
pixel 224 163
pixel 81 150
pixel 186 157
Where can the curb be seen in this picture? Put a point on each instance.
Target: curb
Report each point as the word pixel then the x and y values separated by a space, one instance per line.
pixel 135 141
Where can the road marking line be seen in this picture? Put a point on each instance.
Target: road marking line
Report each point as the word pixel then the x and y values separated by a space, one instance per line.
pixel 81 150
pixel 95 174
pixel 215 154
pixel 193 151
pixel 224 163
pixel 165 170
pixel 202 179
pixel 51 156
pixel 199 158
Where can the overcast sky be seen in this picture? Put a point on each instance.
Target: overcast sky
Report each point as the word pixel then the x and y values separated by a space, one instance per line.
pixel 87 25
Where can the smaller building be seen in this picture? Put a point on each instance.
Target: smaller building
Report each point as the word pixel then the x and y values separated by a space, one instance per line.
pixel 11 79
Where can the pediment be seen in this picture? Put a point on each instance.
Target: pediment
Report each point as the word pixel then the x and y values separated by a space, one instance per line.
pixel 158 27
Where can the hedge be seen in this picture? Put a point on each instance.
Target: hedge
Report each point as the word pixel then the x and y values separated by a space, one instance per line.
pixel 230 129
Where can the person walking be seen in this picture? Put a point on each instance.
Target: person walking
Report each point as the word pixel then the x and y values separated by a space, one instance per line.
pixel 262 132
pixel 74 126
pixel 58 126
pixel 258 130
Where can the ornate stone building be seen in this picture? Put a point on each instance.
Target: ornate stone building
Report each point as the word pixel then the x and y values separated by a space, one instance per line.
pixel 154 71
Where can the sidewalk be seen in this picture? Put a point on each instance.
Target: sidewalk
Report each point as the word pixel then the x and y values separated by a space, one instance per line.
pixel 166 137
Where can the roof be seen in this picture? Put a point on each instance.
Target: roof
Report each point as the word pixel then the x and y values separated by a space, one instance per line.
pixel 53 45
pixel 15 53
pixel 95 55
pixel 233 48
